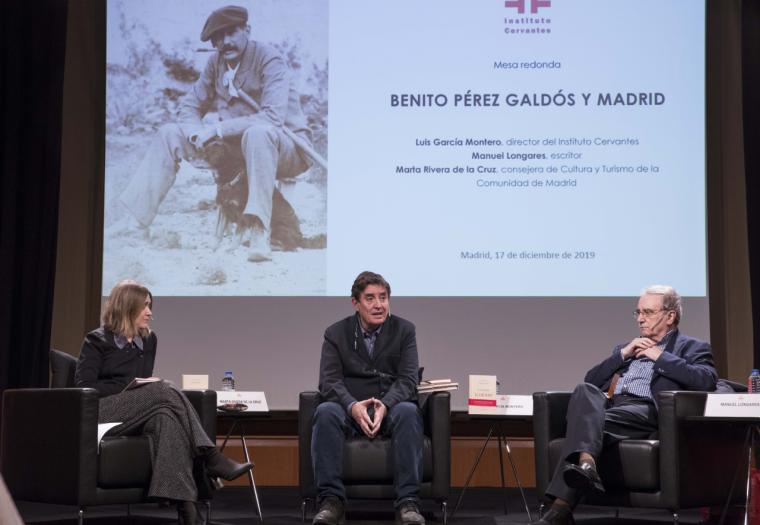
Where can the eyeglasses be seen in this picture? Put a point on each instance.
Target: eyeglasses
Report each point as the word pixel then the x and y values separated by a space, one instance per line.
pixel 646 312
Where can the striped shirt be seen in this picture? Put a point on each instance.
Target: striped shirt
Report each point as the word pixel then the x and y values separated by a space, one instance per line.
pixel 637 380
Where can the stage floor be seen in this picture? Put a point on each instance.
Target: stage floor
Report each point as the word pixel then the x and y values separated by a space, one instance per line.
pixel 281 506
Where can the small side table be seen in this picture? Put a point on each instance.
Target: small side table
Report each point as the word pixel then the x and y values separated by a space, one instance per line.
pixel 495 424
pixel 239 419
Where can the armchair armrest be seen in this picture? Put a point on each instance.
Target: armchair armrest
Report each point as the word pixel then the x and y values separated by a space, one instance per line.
pixel 50 434
pixel 307 404
pixel 550 413
pixel 549 423
pixel 438 422
pixel 204 403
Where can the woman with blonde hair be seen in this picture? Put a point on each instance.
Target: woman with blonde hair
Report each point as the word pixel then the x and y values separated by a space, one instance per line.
pixel 122 349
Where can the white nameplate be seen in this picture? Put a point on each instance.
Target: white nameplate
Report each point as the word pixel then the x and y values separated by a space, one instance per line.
pixel 733 405
pixel 194 381
pixel 513 405
pixel 242 401
pixel 505 405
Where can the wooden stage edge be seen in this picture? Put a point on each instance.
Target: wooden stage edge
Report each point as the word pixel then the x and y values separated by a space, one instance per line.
pixel 276 461
pixel 272 440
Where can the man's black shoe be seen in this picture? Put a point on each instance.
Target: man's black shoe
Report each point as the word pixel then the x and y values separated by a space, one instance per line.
pixel 557 516
pixel 408 513
pixel 330 512
pixel 583 477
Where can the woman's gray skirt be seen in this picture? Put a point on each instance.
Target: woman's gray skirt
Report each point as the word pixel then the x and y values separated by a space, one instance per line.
pixel 160 410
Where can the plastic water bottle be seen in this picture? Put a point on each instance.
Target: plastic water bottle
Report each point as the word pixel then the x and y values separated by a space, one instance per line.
pixel 753 383
pixel 228 381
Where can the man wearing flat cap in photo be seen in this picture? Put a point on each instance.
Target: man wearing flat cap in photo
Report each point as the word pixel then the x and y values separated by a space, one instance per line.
pixel 246 87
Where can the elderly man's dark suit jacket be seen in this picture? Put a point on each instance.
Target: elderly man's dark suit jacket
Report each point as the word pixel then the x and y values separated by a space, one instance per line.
pixel 348 374
pixel 685 364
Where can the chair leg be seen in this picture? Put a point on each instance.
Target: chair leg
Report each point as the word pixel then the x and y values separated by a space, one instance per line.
pixel 541 509
pixel 208 512
pixel 445 511
pixel 675 518
pixel 80 519
pixel 304 504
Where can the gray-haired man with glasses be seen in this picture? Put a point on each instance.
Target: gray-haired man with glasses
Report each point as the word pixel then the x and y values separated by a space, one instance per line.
pixel 618 399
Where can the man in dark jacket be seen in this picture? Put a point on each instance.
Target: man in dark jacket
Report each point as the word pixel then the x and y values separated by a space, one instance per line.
pixel 619 397
pixel 367 380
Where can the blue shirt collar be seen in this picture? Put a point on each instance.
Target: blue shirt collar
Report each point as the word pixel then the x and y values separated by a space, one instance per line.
pixel 367 334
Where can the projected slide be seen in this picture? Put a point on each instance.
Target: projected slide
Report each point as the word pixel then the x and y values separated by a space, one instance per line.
pixel 489 148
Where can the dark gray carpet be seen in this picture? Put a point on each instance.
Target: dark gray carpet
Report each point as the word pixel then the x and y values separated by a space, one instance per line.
pixel 281 506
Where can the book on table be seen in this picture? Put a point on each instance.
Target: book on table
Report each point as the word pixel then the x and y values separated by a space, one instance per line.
pixel 437 385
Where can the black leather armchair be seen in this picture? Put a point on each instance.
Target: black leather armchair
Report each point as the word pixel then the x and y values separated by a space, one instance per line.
pixel 367 464
pixel 49 450
pixel 686 464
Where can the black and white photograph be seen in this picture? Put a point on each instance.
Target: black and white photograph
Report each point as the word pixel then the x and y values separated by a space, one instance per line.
pixel 216 146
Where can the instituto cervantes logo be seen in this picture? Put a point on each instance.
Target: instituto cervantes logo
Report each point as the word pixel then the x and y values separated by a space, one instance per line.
pixel 527 25
pixel 534 5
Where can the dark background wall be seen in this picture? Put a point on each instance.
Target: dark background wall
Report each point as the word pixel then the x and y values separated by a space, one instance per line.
pixel 31 78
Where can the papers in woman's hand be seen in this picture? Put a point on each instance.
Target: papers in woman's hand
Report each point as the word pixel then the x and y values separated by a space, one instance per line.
pixel 103 428
pixel 140 381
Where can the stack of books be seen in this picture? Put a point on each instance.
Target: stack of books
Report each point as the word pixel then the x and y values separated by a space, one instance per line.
pixel 436 385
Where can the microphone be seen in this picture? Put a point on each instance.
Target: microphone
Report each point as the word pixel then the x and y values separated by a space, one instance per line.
pixel 657 323
pixel 356 333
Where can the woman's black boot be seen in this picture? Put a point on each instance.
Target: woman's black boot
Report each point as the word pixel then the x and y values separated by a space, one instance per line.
pixel 219 465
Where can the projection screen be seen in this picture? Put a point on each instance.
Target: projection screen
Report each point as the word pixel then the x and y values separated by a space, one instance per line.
pixel 518 170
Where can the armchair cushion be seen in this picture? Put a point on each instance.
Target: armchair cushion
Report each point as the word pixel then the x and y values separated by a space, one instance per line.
pixel 370 461
pixel 124 461
pixel 727 386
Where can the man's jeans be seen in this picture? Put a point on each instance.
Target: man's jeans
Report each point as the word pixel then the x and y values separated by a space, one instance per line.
pixel 331 427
